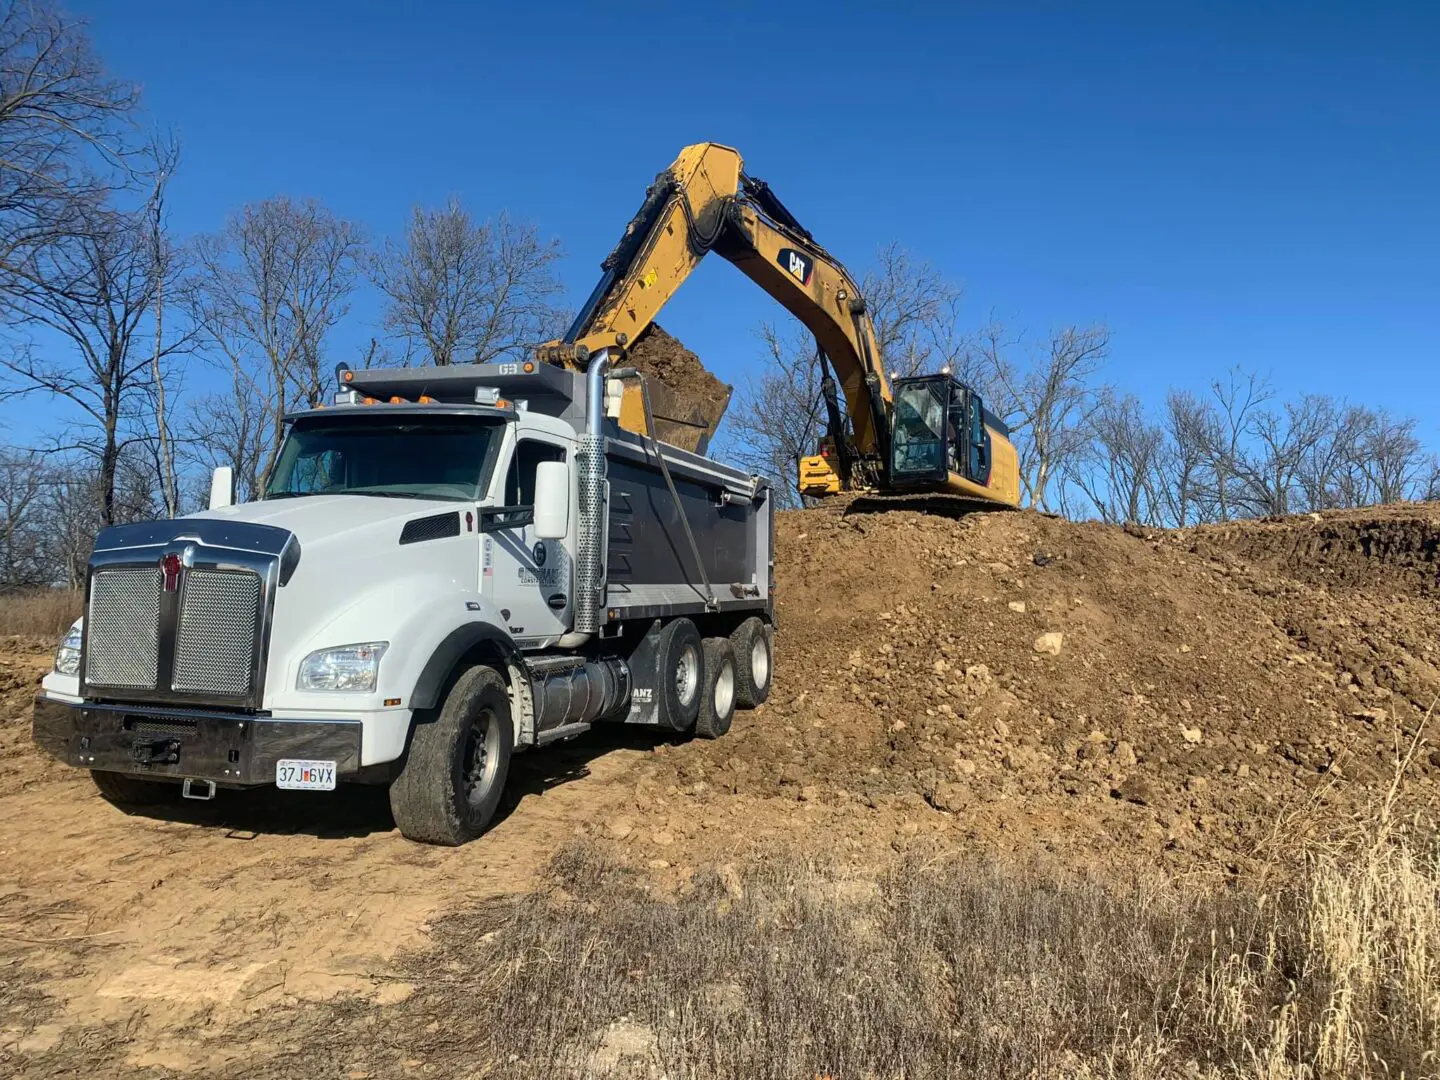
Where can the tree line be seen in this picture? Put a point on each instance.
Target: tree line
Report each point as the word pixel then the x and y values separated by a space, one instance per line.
pixel 174 354
pixel 1086 447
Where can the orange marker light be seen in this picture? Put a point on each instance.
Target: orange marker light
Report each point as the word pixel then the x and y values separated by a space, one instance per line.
pixel 348 376
pixel 529 367
pixel 426 399
pixel 397 400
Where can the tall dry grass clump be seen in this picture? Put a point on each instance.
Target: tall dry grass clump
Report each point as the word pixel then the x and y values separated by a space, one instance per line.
pixel 787 969
pixel 39 612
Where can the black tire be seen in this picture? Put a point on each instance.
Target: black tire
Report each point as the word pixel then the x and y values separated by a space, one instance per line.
pixel 131 791
pixel 453 777
pixel 754 641
pixel 680 664
pixel 717 703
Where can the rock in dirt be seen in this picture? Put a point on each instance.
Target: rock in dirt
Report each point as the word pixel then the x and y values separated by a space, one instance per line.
pixel 1050 644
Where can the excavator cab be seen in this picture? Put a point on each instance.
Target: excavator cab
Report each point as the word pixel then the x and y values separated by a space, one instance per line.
pixel 939 436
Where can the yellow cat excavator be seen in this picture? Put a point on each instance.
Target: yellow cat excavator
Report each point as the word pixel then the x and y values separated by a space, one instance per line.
pixel 926 433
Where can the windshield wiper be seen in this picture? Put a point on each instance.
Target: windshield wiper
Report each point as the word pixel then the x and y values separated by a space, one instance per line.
pixel 286 495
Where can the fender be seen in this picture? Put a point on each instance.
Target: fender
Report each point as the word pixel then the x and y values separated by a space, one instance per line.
pixel 449 652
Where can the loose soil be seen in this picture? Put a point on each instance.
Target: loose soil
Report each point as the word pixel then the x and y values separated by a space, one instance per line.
pixel 1192 704
pixel 687 401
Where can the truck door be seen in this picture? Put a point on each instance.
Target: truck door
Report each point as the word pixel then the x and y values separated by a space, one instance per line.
pixel 530 580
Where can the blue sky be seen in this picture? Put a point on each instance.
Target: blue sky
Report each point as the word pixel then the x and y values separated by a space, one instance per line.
pixel 1221 183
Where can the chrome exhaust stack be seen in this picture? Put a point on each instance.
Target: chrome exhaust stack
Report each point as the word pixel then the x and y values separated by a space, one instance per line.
pixel 590 467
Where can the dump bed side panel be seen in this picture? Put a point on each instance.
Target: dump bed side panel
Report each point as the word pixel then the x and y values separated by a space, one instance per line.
pixel 650 567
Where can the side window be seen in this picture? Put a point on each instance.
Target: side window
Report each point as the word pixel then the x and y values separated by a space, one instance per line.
pixel 520 480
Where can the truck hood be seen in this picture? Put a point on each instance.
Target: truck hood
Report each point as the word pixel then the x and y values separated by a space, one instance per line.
pixel 325 518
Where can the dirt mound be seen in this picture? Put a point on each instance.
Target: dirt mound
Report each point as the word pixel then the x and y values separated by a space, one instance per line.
pixel 688 401
pixel 1044 686
pixel 1001 683
pixel 1391 549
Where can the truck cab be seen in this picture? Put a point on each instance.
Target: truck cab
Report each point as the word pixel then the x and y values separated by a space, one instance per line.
pixel 445 565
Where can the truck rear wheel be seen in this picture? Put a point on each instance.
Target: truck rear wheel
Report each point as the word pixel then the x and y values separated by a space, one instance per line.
pixel 131 791
pixel 717 703
pixel 754 641
pixel 454 775
pixel 680 665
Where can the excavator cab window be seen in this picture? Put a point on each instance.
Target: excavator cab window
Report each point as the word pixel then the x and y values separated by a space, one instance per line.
pixel 920 448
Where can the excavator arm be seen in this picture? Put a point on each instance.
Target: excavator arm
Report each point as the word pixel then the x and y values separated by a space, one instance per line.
pixel 704 202
pixel 931 434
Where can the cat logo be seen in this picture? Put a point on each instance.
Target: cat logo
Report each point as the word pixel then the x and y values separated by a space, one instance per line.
pixel 796 265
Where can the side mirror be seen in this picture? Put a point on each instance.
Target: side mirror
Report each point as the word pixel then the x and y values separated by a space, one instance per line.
pixel 552 500
pixel 222 487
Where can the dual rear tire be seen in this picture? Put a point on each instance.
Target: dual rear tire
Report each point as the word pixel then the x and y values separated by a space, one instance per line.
pixel 704 680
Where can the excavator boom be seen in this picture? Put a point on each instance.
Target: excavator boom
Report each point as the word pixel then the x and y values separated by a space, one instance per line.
pixel 705 202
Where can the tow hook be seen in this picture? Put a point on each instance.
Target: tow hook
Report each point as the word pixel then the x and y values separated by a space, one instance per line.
pixel 191 790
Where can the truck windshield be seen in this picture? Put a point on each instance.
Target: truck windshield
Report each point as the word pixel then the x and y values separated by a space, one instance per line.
pixel 414 458
pixel 919 442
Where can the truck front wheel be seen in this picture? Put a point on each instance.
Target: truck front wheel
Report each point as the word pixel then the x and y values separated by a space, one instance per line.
pixel 454 775
pixel 132 791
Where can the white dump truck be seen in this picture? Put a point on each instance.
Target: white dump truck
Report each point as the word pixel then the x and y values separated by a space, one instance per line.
pixel 447 565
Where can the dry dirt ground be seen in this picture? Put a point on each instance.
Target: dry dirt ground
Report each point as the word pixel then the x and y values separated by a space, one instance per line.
pixel 1193 704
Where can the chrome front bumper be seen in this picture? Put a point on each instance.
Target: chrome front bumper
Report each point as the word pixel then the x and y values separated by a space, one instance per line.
pixel 230 749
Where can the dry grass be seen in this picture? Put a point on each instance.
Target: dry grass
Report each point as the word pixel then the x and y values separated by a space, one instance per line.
pixel 787 970
pixel 41 612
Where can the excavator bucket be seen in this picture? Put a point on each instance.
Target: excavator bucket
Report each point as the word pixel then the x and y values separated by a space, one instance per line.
pixel 687 401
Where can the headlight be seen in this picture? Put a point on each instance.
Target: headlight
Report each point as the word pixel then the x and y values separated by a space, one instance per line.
pixel 67 658
pixel 345 667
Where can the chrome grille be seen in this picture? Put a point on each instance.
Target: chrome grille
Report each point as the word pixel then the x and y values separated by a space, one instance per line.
pixel 122 628
pixel 215 644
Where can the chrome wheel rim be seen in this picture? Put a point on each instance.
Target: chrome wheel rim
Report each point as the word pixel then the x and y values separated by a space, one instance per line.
pixel 759 662
pixel 725 690
pixel 481 761
pixel 687 675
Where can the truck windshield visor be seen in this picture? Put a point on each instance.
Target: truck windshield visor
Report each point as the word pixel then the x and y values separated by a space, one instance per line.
pixel 447 458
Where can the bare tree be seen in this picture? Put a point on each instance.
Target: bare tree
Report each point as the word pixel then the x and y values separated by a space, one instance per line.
pixel 232 429
pixel 21 485
pixel 779 416
pixel 95 288
pixel 1119 467
pixel 63 123
pixel 1282 441
pixel 1187 423
pixel 914 310
pixel 1391 456
pixel 1236 399
pixel 467 291
pixel 1047 402
pixel 167 270
pixel 267 291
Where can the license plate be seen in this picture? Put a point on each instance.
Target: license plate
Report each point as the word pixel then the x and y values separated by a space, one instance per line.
pixel 305 775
